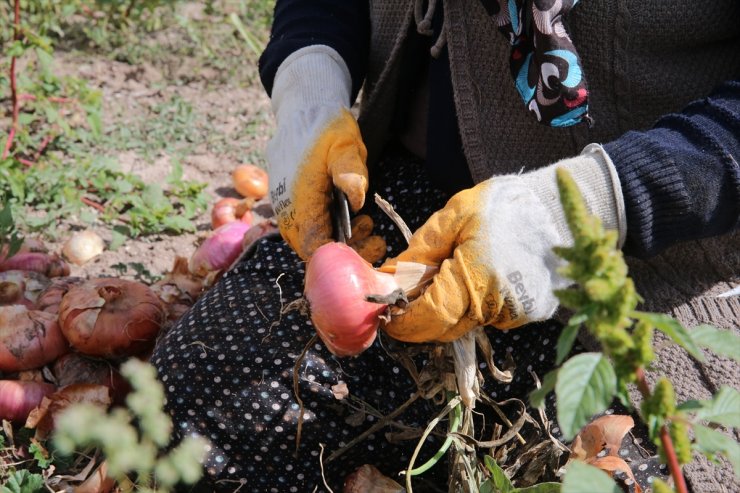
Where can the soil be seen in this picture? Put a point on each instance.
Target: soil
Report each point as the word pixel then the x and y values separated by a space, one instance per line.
pixel 231 124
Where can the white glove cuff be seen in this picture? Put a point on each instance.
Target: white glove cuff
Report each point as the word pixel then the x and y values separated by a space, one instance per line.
pixel 597 179
pixel 312 76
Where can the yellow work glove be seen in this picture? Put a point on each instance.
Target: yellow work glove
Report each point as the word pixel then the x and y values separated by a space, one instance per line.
pixel 317 145
pixel 493 245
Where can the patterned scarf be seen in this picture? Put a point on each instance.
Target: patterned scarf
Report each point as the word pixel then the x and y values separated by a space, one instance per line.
pixel 544 63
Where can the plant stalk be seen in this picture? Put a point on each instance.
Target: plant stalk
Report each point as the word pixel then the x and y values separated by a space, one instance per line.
pixel 665 439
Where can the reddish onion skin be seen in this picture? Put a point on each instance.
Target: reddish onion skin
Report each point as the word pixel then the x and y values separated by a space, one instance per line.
pixel 111 317
pixel 219 250
pixel 337 281
pixel 17 398
pixel 49 265
pixel 28 338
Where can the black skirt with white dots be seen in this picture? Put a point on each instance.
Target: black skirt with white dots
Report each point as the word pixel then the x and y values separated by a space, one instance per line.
pixel 227 367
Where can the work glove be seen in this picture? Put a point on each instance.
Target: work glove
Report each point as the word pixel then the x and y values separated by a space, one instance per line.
pixel 493 244
pixel 317 146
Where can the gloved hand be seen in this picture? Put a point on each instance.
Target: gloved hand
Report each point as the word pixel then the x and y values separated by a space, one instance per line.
pixel 317 145
pixel 494 242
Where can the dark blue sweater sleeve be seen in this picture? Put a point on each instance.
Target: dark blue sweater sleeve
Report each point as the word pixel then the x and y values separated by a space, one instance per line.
pixel 681 179
pixel 342 25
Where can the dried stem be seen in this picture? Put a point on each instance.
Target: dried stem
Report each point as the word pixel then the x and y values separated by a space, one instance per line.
pixel 297 391
pixel 670 452
pixel 386 207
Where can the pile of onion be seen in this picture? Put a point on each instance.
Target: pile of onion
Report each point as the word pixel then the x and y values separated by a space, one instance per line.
pixel 111 317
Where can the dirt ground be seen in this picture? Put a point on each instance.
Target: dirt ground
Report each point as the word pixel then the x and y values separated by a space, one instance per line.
pixel 228 122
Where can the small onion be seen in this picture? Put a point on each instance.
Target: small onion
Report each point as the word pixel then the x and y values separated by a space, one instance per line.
pixel 82 247
pixel 111 317
pixel 17 398
pixel 337 281
pixel 28 338
pixel 49 265
pixel 250 181
pixel 219 250
pixel 18 287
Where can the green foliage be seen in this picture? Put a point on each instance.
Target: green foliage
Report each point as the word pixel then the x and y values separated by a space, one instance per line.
pixel 134 449
pixel 722 409
pixel 10 239
pixel 23 481
pixel 585 386
pixel 583 478
pixel 711 442
pixel 660 486
pixel 500 483
pixel 722 342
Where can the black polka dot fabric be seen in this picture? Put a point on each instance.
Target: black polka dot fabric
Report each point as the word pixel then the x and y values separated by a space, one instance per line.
pixel 227 368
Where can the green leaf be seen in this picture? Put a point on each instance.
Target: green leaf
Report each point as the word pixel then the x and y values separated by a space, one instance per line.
pixel 541 488
pixel 501 482
pixel 486 487
pixel 723 408
pixel 537 397
pixel 178 223
pixel 568 337
pixel 711 442
pixel 22 481
pixel 722 342
pixel 582 478
pixel 673 329
pixel 585 386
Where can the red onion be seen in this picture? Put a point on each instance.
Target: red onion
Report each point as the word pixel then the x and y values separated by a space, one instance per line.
pixel 47 264
pixel 219 250
pixel 337 281
pixel 18 398
pixel 28 338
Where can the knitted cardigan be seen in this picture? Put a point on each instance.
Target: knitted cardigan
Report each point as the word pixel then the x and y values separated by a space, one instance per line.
pixel 635 55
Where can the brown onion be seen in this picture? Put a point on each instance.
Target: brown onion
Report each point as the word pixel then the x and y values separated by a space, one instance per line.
pixel 18 398
pixel 250 181
pixel 111 317
pixel 76 368
pixel 51 297
pixel 179 289
pixel 28 338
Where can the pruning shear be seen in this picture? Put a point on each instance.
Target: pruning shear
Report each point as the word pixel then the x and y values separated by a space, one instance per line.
pixel 340 217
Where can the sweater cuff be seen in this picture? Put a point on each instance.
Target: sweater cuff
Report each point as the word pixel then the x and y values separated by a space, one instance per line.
pixel 598 182
pixel 312 76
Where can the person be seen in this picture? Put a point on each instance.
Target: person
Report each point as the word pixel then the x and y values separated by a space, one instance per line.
pixel 461 128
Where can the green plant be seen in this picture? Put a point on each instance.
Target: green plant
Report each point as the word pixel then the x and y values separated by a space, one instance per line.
pixel 604 301
pixel 134 440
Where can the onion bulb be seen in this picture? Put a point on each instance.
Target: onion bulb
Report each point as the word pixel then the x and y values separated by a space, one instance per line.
pixel 83 246
pixel 337 281
pixel 28 338
pixel 219 250
pixel 51 297
pixel 229 210
pixel 250 181
pixel 18 398
pixel 49 265
pixel 111 317
pixel 19 287
pixel 179 289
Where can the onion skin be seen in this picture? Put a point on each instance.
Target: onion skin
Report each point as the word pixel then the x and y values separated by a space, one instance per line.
pixel 82 247
pixel 17 398
pixel 28 338
pixel 337 281
pixel 111 318
pixel 250 181
pixel 18 287
pixel 49 265
pixel 224 211
pixel 219 250
pixel 51 297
